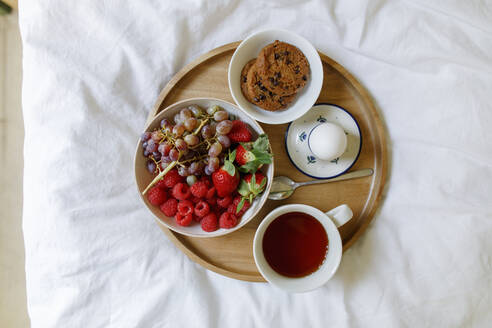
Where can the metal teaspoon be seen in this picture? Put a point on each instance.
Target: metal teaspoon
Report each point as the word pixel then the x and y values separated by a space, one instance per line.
pixel 283 187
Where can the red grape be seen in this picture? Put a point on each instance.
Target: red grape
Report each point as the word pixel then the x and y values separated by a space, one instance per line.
pixel 151 146
pixel 174 154
pixel 191 139
pixel 164 148
pixel 145 136
pixel 213 163
pixel 177 119
pixel 180 144
pixel 197 111
pixel 224 141
pixel 208 131
pixel 183 171
pixel 151 166
pixel 178 130
pixel 156 136
pixel 190 123
pixel 165 123
pixel 212 109
pixel 157 156
pixel 221 115
pixel 224 127
pixel 215 149
pixel 186 113
pixel 196 167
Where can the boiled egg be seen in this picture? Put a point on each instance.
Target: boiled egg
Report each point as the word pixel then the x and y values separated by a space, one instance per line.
pixel 327 141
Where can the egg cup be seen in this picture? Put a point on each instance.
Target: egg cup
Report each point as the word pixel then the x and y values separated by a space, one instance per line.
pixel 297 141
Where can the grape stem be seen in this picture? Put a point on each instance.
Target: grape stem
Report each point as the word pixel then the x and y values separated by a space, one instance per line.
pixel 160 176
pixel 201 125
pixel 192 159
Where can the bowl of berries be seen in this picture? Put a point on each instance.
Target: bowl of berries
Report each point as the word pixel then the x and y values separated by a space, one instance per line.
pixel 203 167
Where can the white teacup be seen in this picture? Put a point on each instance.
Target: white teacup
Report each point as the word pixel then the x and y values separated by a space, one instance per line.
pixel 330 221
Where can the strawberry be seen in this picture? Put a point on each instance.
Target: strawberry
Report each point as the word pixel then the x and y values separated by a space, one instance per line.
pixel 239 132
pixel 226 178
pixel 252 155
pixel 250 187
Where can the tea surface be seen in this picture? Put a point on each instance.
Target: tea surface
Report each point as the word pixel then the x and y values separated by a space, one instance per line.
pixel 295 244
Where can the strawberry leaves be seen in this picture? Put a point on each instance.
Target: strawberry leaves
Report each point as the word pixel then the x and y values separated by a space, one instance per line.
pixel 257 154
pixel 228 164
pixel 250 187
pixel 261 143
pixel 240 205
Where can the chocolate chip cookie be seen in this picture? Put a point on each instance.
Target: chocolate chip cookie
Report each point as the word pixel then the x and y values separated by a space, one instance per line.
pixel 261 96
pixel 283 68
pixel 244 80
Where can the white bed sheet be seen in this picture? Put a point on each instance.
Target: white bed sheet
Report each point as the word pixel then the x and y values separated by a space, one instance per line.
pixel 94 255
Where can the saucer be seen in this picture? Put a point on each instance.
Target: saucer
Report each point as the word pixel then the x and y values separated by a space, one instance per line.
pixel 297 141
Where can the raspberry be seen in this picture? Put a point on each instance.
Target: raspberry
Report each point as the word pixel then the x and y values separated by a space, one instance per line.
pixel 202 209
pixel 246 205
pixel 172 178
pixel 233 207
pixel 206 180
pixel 209 222
pixel 210 193
pixel 185 207
pixel 228 220
pixel 211 201
pixel 241 212
pixel 199 189
pixel 218 211
pixel 170 207
pixel 161 184
pixel 181 191
pixel 156 196
pixel 237 200
pixel 224 202
pixel 195 200
pixel 183 220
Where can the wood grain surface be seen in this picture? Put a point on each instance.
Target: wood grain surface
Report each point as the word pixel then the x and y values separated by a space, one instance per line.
pixel 231 255
pixel 11 3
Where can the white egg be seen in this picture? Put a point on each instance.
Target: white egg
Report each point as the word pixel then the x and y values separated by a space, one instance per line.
pixel 327 141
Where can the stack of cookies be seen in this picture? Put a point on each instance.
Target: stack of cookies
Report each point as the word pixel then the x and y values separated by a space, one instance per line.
pixel 272 80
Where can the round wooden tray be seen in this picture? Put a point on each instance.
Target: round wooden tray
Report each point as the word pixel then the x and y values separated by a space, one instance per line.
pixel 231 255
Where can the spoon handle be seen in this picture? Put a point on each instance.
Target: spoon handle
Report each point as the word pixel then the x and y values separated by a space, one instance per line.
pixel 351 175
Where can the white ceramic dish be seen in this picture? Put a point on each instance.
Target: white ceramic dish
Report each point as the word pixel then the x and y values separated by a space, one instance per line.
pixel 330 221
pixel 143 177
pixel 297 138
pixel 249 49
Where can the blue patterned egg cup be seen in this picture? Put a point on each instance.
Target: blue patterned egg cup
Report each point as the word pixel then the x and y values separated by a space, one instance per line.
pixel 297 142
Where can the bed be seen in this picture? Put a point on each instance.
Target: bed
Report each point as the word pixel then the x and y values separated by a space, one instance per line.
pixel 95 256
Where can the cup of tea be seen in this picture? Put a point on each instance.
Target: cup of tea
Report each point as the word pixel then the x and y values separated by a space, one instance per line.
pixel 298 248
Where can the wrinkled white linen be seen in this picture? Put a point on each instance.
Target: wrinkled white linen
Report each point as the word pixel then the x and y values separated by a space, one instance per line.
pixel 94 255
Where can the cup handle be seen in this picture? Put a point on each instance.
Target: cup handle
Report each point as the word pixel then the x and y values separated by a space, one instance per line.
pixel 340 214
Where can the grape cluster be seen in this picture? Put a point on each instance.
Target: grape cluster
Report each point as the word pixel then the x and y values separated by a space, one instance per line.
pixel 196 143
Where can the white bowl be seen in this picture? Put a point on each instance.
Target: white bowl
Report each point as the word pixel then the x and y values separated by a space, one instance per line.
pixel 305 99
pixel 143 177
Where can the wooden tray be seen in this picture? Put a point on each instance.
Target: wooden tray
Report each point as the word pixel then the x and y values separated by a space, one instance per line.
pixel 232 255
